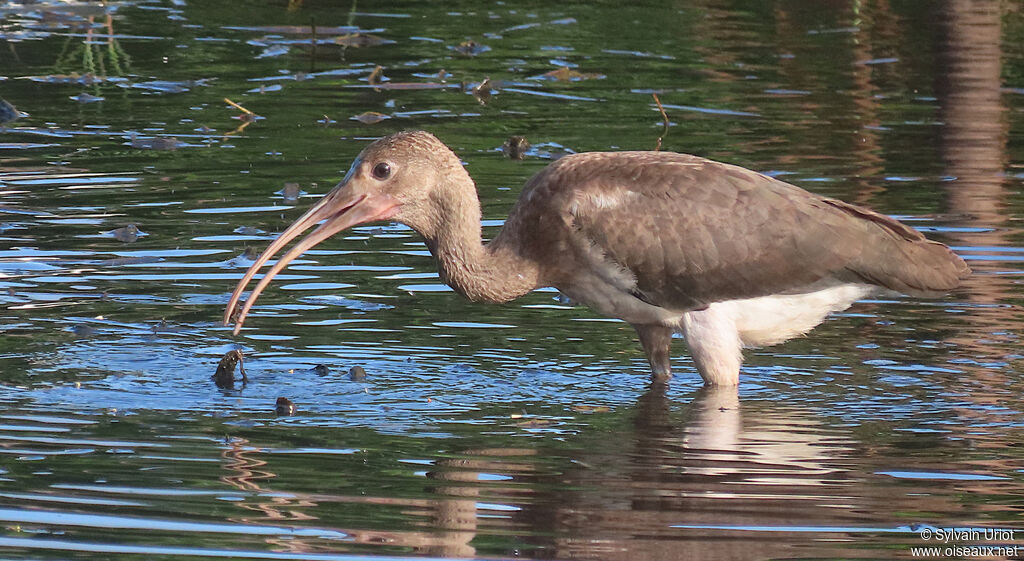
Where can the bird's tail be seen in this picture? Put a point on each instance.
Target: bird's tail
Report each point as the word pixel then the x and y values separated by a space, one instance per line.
pixel 900 258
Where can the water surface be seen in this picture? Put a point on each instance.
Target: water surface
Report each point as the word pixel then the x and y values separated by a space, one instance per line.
pixel 521 430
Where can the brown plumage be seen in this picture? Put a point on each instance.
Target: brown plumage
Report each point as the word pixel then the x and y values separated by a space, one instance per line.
pixel 665 241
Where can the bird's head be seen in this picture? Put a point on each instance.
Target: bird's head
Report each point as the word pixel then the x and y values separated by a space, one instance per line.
pixel 398 177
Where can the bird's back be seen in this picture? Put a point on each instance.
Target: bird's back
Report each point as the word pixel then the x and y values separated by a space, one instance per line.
pixel 680 231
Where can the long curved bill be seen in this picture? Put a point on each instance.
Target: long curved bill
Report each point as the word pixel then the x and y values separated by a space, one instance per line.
pixel 341 209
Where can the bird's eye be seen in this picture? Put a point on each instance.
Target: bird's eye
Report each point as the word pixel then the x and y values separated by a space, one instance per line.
pixel 382 171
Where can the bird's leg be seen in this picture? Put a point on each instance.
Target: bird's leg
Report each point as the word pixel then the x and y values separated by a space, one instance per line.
pixel 715 345
pixel 657 343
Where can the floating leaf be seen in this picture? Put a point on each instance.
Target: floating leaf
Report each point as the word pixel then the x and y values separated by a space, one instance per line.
pixel 361 40
pixel 566 74
pixel 591 408
pixel 535 423
pixel 370 117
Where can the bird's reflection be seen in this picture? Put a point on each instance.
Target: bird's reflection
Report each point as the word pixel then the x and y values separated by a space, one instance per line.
pixel 687 478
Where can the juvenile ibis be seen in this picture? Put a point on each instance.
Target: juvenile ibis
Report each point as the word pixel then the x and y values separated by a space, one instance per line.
pixel 664 241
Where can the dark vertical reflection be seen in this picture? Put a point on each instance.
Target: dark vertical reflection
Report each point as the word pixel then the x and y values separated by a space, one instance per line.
pixel 973 146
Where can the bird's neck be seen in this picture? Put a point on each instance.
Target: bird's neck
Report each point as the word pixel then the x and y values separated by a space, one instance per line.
pixel 495 272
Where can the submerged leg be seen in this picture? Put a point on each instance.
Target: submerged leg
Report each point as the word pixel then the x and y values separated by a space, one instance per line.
pixel 714 344
pixel 657 343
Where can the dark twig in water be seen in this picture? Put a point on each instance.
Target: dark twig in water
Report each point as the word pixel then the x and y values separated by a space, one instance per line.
pixel 664 119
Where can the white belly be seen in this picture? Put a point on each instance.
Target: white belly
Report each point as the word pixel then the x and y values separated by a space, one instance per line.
pixel 769 320
pixel 717 334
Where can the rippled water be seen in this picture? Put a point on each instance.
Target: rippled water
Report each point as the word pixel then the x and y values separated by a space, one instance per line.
pixel 526 429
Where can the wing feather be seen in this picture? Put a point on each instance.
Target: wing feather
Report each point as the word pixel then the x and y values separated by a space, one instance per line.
pixel 686 231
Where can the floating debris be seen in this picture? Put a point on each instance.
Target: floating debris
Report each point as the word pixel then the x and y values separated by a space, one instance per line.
pixel 264 89
pixel 535 423
pixel 273 51
pixel 295 29
pixel 284 407
pixel 248 231
pixel 83 331
pixel 664 120
pixel 246 118
pixel 350 303
pixel 224 377
pixel 168 86
pixel 591 408
pixel 483 91
pixel 157 143
pixel 164 327
pixel 410 86
pixel 86 98
pixel 127 234
pixel 515 147
pixel 291 192
pixel 566 74
pixel 8 113
pixel 370 117
pixel 87 79
pixel 470 48
pixel 376 77
pixel 252 116
pixel 358 40
pixel 357 374
pixel 249 254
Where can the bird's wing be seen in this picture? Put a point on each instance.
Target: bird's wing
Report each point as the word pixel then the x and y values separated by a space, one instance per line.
pixel 692 231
